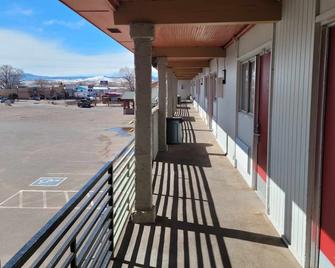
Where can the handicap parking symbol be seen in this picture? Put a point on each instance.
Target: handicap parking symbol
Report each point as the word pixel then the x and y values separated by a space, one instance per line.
pixel 48 181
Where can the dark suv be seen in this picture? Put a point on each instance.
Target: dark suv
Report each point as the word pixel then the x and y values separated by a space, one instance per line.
pixel 85 103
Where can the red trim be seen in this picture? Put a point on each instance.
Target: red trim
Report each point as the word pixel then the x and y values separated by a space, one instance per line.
pixel 327 246
pixel 261 172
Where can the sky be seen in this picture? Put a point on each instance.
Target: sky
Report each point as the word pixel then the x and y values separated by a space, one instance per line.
pixel 45 37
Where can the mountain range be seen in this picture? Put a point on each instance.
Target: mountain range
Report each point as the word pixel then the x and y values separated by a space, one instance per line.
pixel 28 77
pixel 34 77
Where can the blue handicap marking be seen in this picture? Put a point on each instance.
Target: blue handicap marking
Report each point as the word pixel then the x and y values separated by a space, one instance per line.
pixel 48 181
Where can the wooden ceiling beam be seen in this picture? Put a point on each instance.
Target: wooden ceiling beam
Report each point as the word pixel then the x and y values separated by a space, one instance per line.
pixel 114 4
pixel 189 76
pixel 188 64
pixel 184 52
pixel 185 77
pixel 198 11
pixel 192 70
pixel 187 71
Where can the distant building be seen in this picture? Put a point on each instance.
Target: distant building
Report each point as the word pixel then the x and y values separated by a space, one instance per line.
pixel 154 93
pixel 81 92
pixel 104 83
pixel 99 90
pixel 22 92
pixel 70 89
pixel 128 99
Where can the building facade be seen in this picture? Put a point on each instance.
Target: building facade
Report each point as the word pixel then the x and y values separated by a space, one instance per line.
pixel 271 116
pixel 262 76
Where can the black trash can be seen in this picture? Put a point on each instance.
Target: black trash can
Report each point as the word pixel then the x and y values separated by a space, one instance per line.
pixel 174 132
pixel 179 99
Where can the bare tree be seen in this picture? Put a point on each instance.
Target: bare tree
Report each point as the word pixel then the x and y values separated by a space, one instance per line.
pixel 52 93
pixel 41 83
pixel 10 77
pixel 128 74
pixel 42 87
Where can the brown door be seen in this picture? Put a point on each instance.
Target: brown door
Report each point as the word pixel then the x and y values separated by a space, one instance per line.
pixel 327 230
pixel 261 128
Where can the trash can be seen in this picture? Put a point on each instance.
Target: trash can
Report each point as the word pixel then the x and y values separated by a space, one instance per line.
pixel 179 99
pixel 174 133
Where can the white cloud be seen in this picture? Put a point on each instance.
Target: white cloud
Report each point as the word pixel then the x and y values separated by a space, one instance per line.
pixel 19 11
pixel 47 57
pixel 74 25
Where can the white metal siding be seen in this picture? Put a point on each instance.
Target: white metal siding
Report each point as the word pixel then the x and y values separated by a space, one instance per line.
pixel 184 88
pixel 227 104
pixel 254 38
pixel 243 160
pixel 326 5
pixel 245 134
pixel 289 136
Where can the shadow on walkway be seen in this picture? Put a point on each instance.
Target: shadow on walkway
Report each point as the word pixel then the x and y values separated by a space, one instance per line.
pixel 187 232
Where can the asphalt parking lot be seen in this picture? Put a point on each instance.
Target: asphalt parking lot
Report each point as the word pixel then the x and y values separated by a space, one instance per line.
pixel 62 145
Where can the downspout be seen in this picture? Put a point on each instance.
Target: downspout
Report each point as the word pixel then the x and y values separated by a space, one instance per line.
pixel 217 105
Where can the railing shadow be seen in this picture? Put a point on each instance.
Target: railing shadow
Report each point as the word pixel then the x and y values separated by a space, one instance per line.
pixel 187 127
pixel 188 231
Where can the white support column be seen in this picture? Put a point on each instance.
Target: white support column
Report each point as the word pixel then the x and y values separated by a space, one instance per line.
pixel 143 35
pixel 169 92
pixel 162 104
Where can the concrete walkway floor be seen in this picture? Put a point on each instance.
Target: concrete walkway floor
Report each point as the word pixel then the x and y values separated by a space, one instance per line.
pixel 207 215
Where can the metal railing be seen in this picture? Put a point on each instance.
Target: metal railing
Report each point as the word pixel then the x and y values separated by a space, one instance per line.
pixel 86 230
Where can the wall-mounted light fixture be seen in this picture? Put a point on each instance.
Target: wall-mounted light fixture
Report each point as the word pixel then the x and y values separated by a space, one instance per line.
pixel 224 71
pixel 114 30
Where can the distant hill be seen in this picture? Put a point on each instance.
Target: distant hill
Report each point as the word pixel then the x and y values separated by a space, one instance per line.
pixel 33 77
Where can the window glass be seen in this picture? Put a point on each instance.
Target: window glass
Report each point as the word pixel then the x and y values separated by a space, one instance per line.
pixel 245 87
pixel 252 86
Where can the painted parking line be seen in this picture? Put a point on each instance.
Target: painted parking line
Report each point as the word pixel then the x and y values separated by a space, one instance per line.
pixel 41 199
pixel 24 199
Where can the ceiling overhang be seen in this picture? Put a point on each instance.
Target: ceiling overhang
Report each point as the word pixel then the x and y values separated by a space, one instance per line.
pixel 187 32
pixel 189 52
pixel 190 64
pixel 197 11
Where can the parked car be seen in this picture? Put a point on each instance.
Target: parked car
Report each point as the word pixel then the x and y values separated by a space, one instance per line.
pixel 84 103
pixel 92 98
pixel 3 99
pixel 36 98
pixel 6 100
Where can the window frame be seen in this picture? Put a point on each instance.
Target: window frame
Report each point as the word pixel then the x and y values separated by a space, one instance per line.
pixel 244 105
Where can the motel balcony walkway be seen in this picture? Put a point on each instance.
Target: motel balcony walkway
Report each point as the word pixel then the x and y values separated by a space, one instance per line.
pixel 206 214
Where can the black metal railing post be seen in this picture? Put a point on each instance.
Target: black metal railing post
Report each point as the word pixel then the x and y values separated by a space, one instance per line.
pixel 111 205
pixel 73 249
